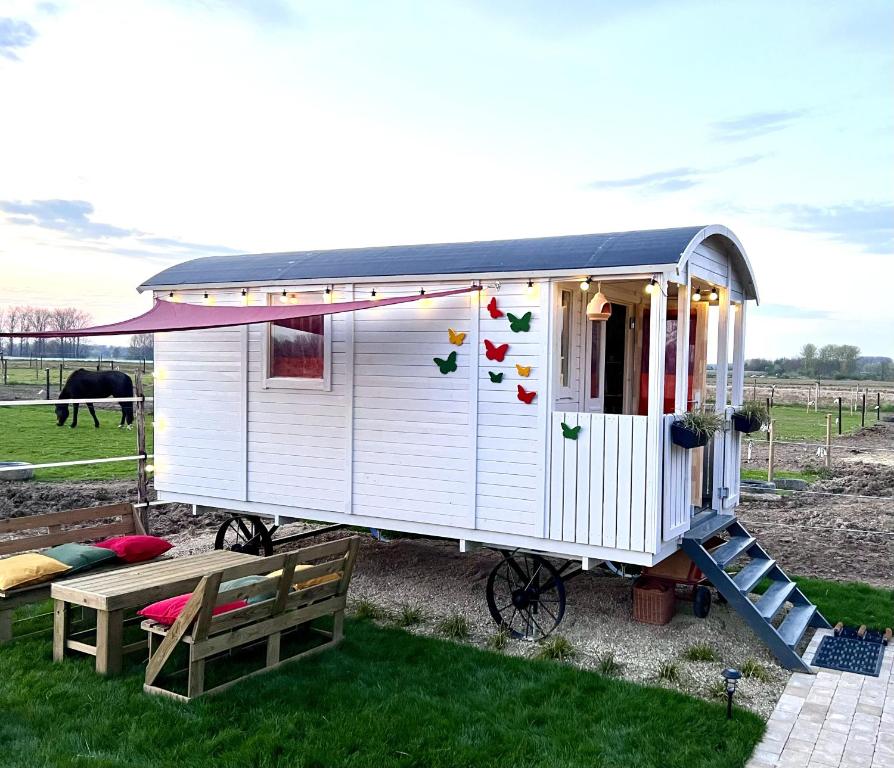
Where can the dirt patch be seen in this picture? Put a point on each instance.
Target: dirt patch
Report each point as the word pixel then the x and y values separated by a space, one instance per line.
pixel 842 528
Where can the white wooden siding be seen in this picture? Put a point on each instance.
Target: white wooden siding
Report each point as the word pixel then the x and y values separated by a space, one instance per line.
pixel 412 424
pixel 510 465
pixel 598 482
pixel 298 438
pixel 197 408
pixel 677 486
pixel 709 261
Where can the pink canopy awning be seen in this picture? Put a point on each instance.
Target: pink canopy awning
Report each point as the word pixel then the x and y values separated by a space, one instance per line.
pixel 174 316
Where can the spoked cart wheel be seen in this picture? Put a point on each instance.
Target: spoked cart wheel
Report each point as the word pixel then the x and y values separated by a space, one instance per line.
pixel 526 595
pixel 244 534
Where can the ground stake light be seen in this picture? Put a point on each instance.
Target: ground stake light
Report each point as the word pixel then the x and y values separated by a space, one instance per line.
pixel 732 677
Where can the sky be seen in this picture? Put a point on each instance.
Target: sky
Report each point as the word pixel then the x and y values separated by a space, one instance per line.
pixel 134 135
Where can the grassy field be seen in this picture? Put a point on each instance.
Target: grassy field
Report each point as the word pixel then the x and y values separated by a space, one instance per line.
pixel 29 433
pixel 797 423
pixel 850 602
pixel 24 372
pixel 383 698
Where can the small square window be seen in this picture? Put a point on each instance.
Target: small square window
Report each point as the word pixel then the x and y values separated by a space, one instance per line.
pixel 297 350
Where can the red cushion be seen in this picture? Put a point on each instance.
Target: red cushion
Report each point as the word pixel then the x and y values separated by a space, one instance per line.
pixel 167 611
pixel 136 549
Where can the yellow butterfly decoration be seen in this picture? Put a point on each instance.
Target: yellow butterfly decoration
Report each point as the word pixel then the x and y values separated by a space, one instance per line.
pixel 523 370
pixel 456 338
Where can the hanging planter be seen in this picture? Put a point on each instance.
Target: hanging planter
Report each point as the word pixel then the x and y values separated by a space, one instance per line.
pixel 694 429
pixel 750 417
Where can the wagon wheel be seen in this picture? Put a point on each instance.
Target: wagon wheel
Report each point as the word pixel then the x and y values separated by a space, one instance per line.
pixel 701 601
pixel 526 595
pixel 244 534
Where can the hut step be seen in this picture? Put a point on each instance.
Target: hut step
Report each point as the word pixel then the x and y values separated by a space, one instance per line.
pixel 735 587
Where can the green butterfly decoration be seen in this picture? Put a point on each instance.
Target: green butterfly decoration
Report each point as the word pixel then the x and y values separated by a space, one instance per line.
pixel 570 433
pixel 448 365
pixel 496 378
pixel 519 324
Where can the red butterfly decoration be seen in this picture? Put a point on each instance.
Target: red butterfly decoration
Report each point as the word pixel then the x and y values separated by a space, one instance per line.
pixel 492 308
pixel 495 352
pixel 526 397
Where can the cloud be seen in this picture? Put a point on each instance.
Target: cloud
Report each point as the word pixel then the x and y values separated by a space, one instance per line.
pixel 869 225
pixel 672 180
pixel 14 34
pixel 755 124
pixel 74 219
pixel 69 216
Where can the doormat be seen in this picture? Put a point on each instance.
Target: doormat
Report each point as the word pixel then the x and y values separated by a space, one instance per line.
pixel 850 654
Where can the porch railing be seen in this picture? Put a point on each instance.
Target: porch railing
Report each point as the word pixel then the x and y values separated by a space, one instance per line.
pixel 598 481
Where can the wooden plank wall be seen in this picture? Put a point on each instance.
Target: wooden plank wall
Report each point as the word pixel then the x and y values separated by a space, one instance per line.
pixel 598 482
pixel 297 438
pixel 197 390
pixel 412 456
pixel 510 456
pixel 676 486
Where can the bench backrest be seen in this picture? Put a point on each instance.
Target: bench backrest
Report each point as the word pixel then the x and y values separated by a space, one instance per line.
pixel 331 557
pixel 68 526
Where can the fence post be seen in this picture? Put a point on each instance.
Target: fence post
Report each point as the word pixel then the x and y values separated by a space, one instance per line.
pixel 61 368
pixel 771 455
pixel 48 384
pixel 878 406
pixel 839 415
pixel 142 477
pixel 828 441
pixel 863 412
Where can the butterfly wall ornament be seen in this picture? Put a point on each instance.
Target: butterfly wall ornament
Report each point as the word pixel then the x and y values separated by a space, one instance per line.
pixel 456 337
pixel 494 351
pixel 519 324
pixel 448 365
pixel 526 397
pixel 523 370
pixel 496 378
pixel 492 308
pixel 570 433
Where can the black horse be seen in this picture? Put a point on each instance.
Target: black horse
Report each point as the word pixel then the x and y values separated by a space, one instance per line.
pixel 82 385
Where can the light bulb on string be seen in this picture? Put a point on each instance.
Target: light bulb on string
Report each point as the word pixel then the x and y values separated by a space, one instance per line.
pixel 652 286
pixel 697 294
pixel 713 295
pixel 585 284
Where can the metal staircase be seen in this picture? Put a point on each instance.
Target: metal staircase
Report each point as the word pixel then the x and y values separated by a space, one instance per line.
pixel 752 564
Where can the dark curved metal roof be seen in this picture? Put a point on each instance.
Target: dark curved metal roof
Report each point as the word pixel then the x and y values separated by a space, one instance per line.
pixel 579 252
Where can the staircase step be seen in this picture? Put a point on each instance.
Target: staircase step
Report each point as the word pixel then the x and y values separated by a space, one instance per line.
pixel 752 573
pixel 725 554
pixel 704 527
pixel 774 597
pixel 795 624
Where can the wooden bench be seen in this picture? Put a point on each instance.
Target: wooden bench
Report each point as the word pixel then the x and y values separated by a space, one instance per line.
pixel 266 621
pixel 74 525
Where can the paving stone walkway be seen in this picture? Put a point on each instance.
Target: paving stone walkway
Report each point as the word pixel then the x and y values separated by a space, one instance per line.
pixel 831 719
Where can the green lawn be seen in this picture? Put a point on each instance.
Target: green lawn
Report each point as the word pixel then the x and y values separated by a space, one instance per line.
pixel 761 474
pixel 29 433
pixel 794 422
pixel 383 698
pixel 850 602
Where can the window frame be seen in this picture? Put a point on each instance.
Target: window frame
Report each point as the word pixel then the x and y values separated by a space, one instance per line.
pixel 323 384
pixel 564 392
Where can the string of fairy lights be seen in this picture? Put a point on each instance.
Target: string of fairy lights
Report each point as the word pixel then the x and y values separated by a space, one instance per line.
pixel 292 297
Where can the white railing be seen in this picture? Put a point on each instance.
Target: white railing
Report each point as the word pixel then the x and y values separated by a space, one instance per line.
pixel 676 497
pixel 598 481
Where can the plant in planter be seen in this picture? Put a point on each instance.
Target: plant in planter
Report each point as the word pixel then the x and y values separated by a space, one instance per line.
pixel 750 417
pixel 694 428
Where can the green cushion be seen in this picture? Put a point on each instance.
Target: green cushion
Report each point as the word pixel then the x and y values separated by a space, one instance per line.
pixel 80 557
pixel 246 581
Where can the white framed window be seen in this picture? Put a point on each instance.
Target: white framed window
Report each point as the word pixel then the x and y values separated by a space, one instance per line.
pixel 594 397
pixel 297 353
pixel 565 327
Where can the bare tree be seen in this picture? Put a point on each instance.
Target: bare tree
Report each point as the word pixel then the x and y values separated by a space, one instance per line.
pixel 141 346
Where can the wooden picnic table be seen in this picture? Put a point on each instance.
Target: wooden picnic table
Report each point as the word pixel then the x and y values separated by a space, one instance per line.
pixel 113 593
